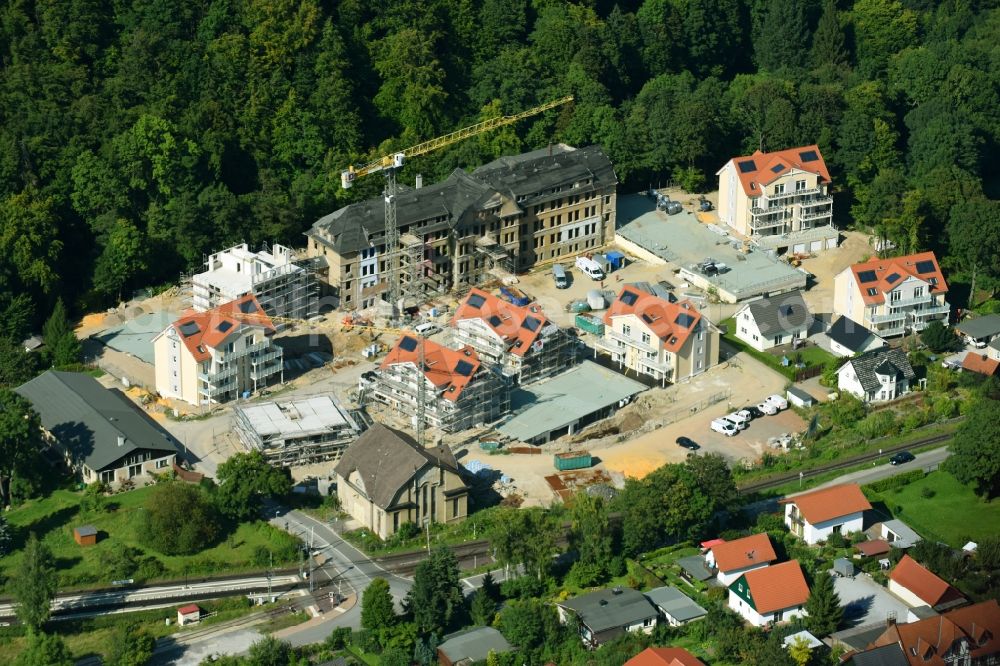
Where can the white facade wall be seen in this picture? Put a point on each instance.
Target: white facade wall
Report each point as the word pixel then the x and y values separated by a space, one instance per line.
pixel 727 577
pixel 812 534
pixel 905 594
pixel 756 619
pixel 748 331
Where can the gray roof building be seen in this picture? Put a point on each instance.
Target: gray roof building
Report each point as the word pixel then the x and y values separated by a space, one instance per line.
pixel 528 177
pixel 886 362
pixel 95 426
pixel 472 645
pixel 887 655
pixel 387 459
pixel 979 328
pixel 784 313
pixel 899 534
pixel 675 604
pixel 606 614
pixel 850 334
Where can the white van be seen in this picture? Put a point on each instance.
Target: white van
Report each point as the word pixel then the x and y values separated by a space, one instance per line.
pixel 740 420
pixel 724 427
pixel 590 268
pixel 426 329
pixel 778 402
pixel 559 275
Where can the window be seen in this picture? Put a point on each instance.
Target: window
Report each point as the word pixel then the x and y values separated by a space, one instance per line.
pixel 161 463
pixel 837 528
pixel 800 185
pixel 395 521
pixel 894 296
pixel 918 292
pixel 626 330
pixel 779 188
pixel 454 508
pixel 755 338
pixel 645 338
pixel 108 476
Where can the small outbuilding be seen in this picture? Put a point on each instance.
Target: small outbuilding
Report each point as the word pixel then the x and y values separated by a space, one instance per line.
pixel 471 646
pixel 843 567
pixel 798 397
pixel 85 535
pixel 675 606
pixel 190 614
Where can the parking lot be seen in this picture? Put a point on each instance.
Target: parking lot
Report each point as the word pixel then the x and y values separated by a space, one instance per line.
pixel 865 601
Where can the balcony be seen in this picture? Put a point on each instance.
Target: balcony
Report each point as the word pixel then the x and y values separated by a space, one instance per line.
pixel 219 376
pixel 652 364
pixel 910 302
pixel 260 373
pixel 887 317
pixel 819 215
pixel 890 332
pixel 934 310
pixel 629 341
pixel 260 359
pixel 787 195
pixel 767 222
pixel 815 202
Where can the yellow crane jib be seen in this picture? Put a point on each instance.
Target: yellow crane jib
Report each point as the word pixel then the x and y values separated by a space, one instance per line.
pixel 396 160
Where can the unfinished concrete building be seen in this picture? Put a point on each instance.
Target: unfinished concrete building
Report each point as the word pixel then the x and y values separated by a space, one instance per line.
pixel 282 287
pixel 298 432
pixel 520 340
pixel 459 392
pixel 503 218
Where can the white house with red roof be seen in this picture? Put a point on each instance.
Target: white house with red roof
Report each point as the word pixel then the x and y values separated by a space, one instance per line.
pixel 815 515
pixel 917 586
pixel 217 355
pixel 520 340
pixel 460 391
pixel 770 595
pixel 780 199
pixel 667 341
pixel 893 296
pixel 732 559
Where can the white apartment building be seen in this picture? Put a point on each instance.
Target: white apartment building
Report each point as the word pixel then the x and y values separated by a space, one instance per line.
pixel 520 340
pixel 893 296
pixel 282 288
pixel 781 200
pixel 667 341
pixel 211 357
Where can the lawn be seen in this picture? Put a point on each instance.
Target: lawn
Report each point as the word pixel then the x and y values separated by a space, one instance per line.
pixel 953 513
pixel 53 518
pixel 810 356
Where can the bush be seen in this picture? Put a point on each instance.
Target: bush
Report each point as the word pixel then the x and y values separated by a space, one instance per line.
pixel 523 587
pixel 927 493
pixel 617 566
pixel 877 425
pixel 178 519
pixel 893 482
pixel 836 540
pixel 585 575
pixel 339 638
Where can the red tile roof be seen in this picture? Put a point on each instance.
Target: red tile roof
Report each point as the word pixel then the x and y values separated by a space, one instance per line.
pixel 664 318
pixel 763 168
pixel 926 641
pixel 201 331
pixel 518 326
pixel 777 586
pixel 902 268
pixel 190 608
pixel 921 582
pixel 822 505
pixel 746 552
pixel 449 370
pixel 873 547
pixel 981 363
pixel 664 656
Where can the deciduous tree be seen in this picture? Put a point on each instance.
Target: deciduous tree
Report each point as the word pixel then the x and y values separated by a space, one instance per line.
pixel 436 596
pixel 377 611
pixel 34 584
pixel 975 450
pixel 20 440
pixel 45 650
pixel 131 645
pixel 245 481
pixel 177 519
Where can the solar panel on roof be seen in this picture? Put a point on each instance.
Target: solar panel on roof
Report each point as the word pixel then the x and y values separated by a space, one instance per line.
pixel 864 277
pixel 476 300
pixel 629 297
pixel 407 343
pixel 463 368
pixel 684 319
pixel 224 326
pixel 925 266
pixel 808 156
pixel 189 328
pixel 778 168
pixel 747 166
pixel 891 279
pixel 248 307
pixel 495 321
pixel 531 323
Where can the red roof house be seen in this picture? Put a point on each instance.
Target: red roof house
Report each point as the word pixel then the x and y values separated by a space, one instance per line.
pixel 664 656
pixel 917 586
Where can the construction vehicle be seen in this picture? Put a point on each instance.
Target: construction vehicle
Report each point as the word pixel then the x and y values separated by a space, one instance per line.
pixel 389 164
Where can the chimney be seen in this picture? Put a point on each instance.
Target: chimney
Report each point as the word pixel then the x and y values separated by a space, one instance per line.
pixel 420 181
pixel 121 440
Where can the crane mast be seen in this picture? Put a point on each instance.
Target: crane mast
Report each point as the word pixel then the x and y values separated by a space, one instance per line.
pixel 390 164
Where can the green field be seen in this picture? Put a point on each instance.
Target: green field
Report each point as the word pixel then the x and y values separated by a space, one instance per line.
pixel 53 518
pixel 954 514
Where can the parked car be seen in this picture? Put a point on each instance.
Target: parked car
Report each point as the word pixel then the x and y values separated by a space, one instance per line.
pixel 724 427
pixel 590 268
pixel 776 400
pixel 426 329
pixel 741 420
pixel 746 413
pixel 901 457
pixel 754 412
pixel 767 408
pixel 688 443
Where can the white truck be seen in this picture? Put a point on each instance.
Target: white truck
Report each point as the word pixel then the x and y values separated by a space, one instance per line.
pixel 590 268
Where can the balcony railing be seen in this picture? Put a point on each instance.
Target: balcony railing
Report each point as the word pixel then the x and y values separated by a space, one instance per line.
pixel 766 223
pixel 806 217
pixel 910 302
pixel 260 359
pixel 934 310
pixel 889 332
pixel 887 317
pixel 263 372
pixel 793 193
pixel 218 376
pixel 652 364
pixel 629 341
pixel 813 202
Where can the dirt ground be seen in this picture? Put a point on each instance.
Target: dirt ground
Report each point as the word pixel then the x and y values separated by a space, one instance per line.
pixel 826 265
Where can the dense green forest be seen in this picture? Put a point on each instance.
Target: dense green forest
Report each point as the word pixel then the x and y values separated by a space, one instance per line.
pixel 137 135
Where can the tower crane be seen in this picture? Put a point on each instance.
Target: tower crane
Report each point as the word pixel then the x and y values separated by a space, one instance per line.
pixel 389 164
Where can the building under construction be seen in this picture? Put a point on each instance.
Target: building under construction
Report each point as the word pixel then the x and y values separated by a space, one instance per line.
pixel 520 340
pixel 458 390
pixel 502 218
pixel 299 432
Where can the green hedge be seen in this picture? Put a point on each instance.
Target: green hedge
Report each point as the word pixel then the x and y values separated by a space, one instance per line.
pixel 894 482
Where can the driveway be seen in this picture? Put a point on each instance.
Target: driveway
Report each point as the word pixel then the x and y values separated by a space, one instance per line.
pixel 867 602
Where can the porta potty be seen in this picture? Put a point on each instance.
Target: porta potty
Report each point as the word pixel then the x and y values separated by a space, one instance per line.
pixel 616 258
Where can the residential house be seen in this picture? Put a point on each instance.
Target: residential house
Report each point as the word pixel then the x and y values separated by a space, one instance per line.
pixel 506 215
pixel 664 340
pixel 520 340
pixel 848 337
pixel 732 559
pixel 877 376
pixel 606 614
pixel 893 296
pixel 980 363
pixel 771 594
pixel 218 355
pixel 458 390
pixel 779 199
pixel 385 480
pixel 664 656
pixel 471 646
pixel 917 586
pixel 968 636
pixel 983 330
pixel 770 322
pixel 815 515
pixel 674 606
pixel 283 288
pixel 102 434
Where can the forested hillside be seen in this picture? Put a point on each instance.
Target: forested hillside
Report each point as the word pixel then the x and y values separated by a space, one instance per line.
pixel 136 135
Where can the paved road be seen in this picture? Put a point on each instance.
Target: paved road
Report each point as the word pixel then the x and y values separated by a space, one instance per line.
pixel 883 470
